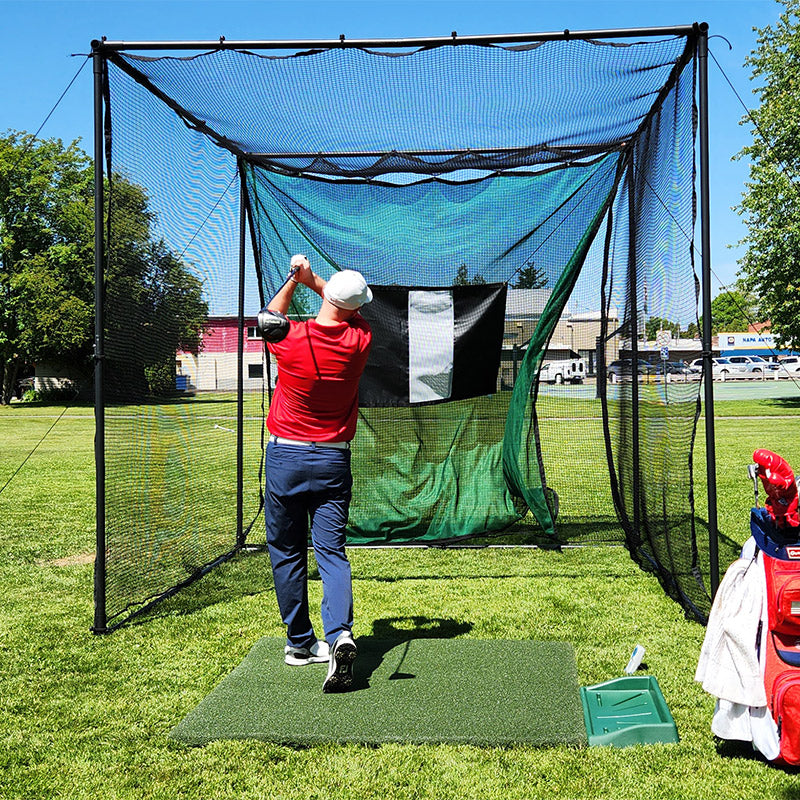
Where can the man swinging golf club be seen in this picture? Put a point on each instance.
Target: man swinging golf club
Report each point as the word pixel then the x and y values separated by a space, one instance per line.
pixel 311 421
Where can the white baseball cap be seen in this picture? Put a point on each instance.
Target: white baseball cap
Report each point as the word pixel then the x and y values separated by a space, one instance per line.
pixel 347 289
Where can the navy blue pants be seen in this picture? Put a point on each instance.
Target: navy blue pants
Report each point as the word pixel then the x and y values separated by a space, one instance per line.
pixel 302 484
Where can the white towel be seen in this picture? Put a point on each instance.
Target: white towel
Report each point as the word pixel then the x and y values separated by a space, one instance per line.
pixel 731 721
pixel 765 733
pixel 728 666
pixel 747 724
pixel 730 643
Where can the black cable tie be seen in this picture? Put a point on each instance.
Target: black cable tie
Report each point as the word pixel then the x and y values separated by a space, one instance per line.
pixel 566 33
pixel 221 39
pixel 341 38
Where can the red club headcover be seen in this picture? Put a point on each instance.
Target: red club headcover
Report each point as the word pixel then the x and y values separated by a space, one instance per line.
pixel 779 484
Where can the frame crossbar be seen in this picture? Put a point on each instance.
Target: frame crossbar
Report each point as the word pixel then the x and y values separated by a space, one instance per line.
pixel 437 41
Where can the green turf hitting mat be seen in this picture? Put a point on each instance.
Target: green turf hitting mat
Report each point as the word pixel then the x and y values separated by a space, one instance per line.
pixel 418 691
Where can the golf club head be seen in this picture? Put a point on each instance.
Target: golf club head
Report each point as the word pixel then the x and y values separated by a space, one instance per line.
pixel 752 472
pixel 272 325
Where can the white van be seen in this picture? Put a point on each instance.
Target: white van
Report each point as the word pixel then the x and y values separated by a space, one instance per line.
pixel 570 370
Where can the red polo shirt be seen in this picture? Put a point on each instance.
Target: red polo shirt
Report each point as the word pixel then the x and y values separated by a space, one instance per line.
pixel 319 366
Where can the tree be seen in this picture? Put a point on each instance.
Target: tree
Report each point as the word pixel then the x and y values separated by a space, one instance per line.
pixel 771 202
pixel 154 305
pixel 531 277
pixel 47 271
pixel 656 324
pixel 45 248
pixel 463 279
pixel 733 310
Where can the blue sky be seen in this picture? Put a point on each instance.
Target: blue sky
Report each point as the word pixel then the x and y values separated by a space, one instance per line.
pixel 41 36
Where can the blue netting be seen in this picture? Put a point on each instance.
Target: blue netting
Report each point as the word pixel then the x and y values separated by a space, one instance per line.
pixel 564 169
pixel 562 94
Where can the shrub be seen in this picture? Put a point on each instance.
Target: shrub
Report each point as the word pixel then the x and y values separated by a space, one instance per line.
pixel 161 377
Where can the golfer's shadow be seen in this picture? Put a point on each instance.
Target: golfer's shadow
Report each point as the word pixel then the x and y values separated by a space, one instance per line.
pixel 388 633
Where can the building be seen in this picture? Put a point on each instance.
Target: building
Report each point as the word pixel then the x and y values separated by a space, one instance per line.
pixel 215 367
pixel 676 349
pixel 574 335
pixel 757 342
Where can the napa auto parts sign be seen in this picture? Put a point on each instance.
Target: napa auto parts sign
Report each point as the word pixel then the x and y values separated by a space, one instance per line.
pixel 747 341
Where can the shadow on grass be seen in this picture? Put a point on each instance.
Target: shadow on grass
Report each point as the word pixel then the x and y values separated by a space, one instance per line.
pixel 728 549
pixel 543 575
pixel 569 531
pixel 790 403
pixel 388 632
pixel 744 751
pixel 248 573
pixel 145 402
pixel 245 575
pixel 177 400
pixel 30 404
pixel 737 750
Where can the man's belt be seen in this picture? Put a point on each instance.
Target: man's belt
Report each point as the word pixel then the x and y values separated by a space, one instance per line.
pixel 336 445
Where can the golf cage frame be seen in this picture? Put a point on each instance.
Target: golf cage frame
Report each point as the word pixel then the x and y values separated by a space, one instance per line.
pixel 103 49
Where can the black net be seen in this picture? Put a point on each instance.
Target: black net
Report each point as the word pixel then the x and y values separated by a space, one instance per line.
pixel 521 213
pixel 650 275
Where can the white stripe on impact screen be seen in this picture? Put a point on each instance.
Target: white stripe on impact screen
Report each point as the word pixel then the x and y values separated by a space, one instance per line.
pixel 431 324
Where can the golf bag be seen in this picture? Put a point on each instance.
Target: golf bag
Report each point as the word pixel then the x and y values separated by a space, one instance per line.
pixel 750 658
pixel 780 641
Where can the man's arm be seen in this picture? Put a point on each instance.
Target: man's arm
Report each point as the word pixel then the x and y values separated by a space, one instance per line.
pixel 302 274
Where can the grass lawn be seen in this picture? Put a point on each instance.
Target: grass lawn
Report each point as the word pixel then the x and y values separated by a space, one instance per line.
pixel 84 716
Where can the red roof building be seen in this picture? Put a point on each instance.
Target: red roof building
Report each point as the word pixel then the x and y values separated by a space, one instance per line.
pixel 214 368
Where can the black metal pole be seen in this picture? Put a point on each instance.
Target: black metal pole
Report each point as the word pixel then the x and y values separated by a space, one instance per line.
pixel 100 617
pixel 564 151
pixel 240 373
pixel 634 331
pixel 514 363
pixel 711 460
pixel 434 41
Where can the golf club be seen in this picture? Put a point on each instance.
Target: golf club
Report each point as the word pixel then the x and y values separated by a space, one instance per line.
pixel 272 325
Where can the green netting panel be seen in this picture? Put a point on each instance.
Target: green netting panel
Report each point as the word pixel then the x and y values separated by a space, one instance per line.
pixel 415 472
pixel 521 453
pixel 433 232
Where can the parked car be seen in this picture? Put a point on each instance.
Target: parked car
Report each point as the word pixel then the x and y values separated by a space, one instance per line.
pixel 720 367
pixel 789 367
pixel 674 368
pixel 750 366
pixel 616 370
